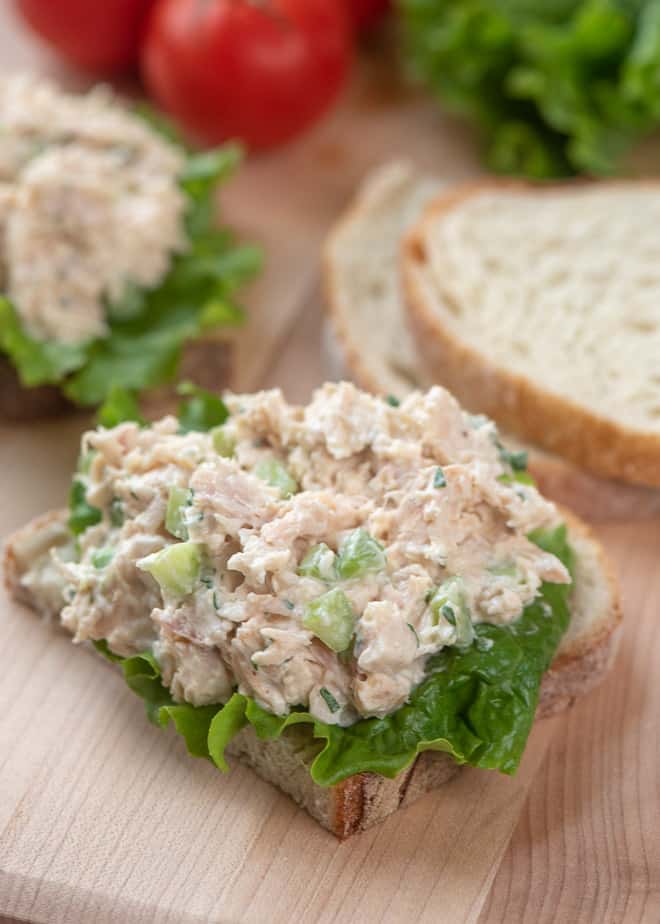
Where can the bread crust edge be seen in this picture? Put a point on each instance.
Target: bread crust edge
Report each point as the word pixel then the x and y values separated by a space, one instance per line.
pixel 365 799
pixel 559 425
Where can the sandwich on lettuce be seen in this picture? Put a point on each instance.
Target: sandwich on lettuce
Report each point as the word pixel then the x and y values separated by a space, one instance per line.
pixel 354 597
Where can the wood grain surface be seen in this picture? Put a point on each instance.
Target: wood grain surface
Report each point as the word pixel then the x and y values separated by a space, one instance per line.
pixel 105 819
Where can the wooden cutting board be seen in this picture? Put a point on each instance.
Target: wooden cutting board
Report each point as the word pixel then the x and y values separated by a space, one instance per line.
pixel 103 818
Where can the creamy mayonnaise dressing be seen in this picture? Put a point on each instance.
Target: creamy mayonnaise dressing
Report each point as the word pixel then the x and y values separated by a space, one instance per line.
pixel 397 515
pixel 89 205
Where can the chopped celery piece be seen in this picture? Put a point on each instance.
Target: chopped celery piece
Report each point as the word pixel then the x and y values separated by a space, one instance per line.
pixel 277 476
pixel 179 499
pixel 85 461
pixel 101 558
pixel 176 567
pixel 504 569
pixel 223 444
pixel 450 602
pixel 319 563
pixel 330 617
pixel 360 554
pixel 520 477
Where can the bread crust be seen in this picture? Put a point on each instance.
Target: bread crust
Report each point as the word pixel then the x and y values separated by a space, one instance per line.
pixel 365 799
pixel 516 402
pixel 26 404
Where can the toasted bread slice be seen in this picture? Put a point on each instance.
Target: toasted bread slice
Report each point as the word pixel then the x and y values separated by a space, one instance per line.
pixel 586 652
pixel 368 337
pixel 540 307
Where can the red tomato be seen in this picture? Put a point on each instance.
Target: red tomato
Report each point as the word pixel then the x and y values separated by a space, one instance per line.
pixel 101 36
pixel 260 72
pixel 366 13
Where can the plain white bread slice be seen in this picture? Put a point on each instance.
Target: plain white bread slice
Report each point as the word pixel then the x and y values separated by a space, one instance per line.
pixel 586 652
pixel 367 337
pixel 541 307
pixel 361 279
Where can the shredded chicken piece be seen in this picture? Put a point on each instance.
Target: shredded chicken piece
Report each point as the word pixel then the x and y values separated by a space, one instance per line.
pixel 89 206
pixel 396 503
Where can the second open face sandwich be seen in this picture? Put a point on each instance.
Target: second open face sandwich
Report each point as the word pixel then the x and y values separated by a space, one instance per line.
pixel 355 597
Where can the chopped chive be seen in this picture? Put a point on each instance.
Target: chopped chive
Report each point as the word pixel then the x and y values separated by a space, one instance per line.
pixel 116 512
pixel 393 401
pixel 289 604
pixel 216 601
pixel 448 612
pixel 517 460
pixel 414 632
pixel 439 480
pixel 331 702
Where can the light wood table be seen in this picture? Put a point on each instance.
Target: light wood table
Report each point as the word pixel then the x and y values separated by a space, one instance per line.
pixel 103 818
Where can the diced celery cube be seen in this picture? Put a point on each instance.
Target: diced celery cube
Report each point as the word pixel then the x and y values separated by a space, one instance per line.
pixel 504 569
pixel 330 617
pixel 277 475
pixel 179 499
pixel 101 558
pixel 223 444
pixel 319 563
pixel 176 567
pixel 360 554
pixel 450 602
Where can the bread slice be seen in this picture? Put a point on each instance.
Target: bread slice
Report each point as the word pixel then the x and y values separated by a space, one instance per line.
pixel 208 362
pixel 586 652
pixel 541 307
pixel 368 338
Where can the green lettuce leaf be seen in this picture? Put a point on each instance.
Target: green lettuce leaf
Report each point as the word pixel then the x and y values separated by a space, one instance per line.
pixel 120 405
pixel 201 410
pixel 556 87
pixel 81 514
pixel 476 704
pixel 148 328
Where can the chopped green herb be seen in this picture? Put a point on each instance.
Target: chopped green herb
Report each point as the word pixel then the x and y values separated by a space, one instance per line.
pixel 216 600
pixel 414 632
pixel 448 613
pixel 116 512
pixel 393 401
pixel 439 480
pixel 289 604
pixel 331 702
pixel 516 459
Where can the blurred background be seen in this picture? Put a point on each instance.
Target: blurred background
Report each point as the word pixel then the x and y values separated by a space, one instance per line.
pixel 319 91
